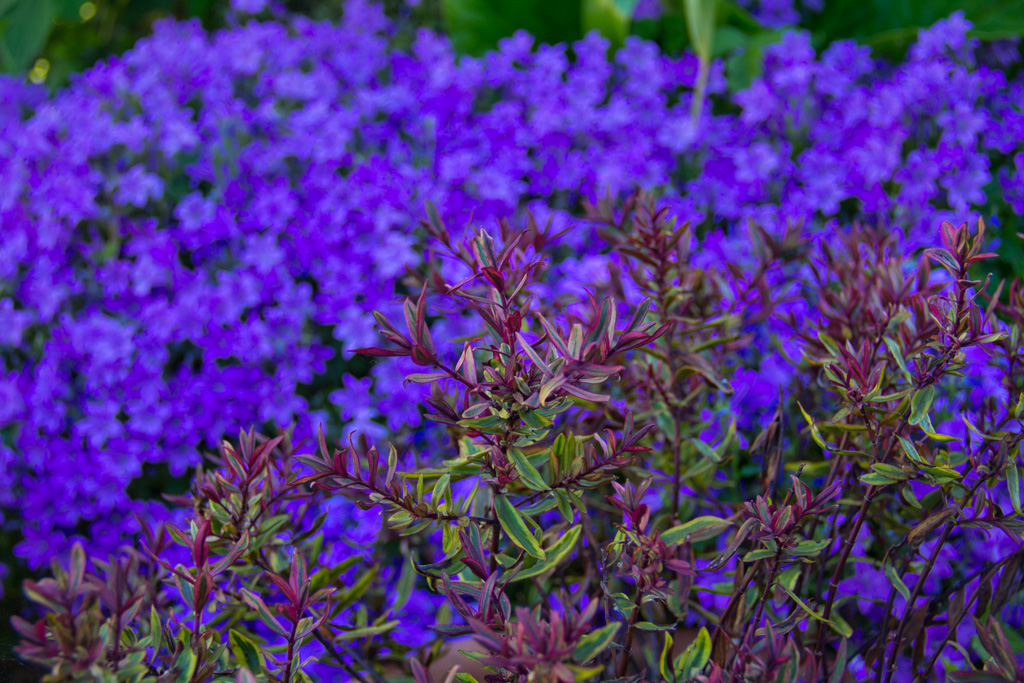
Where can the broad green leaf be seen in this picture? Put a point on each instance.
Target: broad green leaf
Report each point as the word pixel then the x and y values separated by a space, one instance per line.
pixel 695 657
pixel 897 355
pixel 512 522
pixel 475 26
pixel 700 25
pixel 528 474
pixel 678 534
pixel 367 631
pixel 921 404
pixel 1013 484
pixel 266 616
pixel 890 471
pixel 156 630
pixel 705 450
pixel 246 652
pixel 555 554
pixel 595 643
pixel 28 25
pixel 911 451
pixel 759 554
pixel 648 626
pixel 611 17
pixel 876 479
pixel 665 661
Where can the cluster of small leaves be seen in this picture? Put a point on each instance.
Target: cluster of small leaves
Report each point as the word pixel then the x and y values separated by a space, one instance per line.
pixel 590 522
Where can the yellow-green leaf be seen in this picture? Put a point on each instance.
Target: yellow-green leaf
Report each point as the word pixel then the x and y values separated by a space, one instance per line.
pixel 555 554
pixel 528 474
pixel 512 522
pixel 1013 484
pixel 595 643
pixel 678 534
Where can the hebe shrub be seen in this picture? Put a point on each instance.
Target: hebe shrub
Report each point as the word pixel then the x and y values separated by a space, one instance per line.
pixel 193 232
pixel 593 518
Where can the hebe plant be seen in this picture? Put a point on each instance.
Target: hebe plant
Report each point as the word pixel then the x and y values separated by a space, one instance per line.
pixel 593 520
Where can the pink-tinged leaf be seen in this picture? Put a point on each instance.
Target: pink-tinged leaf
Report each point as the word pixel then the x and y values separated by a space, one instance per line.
pixel 555 337
pixel 469 365
pixel 425 378
pixel 585 395
pixel 179 536
pixel 421 356
pixel 638 316
pixel 506 253
pixel 76 571
pixel 420 672
pixel 421 318
pixel 298 576
pixel 437 223
pixel 245 676
pixel 372 351
pixel 575 344
pixel 285 587
pixel 203 588
pixel 494 277
pixel 409 311
pixel 236 551
pixel 200 551
pixel 534 356
pixel 256 603
pixel 604 326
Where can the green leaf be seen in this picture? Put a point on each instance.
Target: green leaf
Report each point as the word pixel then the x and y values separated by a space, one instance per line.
pixel 515 526
pixel 809 548
pixel 890 471
pixel 759 554
pixel 406 582
pixel 876 479
pixel 475 26
pixel 665 661
pixel 28 25
pixel 842 629
pixel 555 554
pixel 678 534
pixel 705 450
pixel 815 433
pixel 186 665
pixel 648 626
pixel 1013 484
pixel 921 404
pixel 894 577
pixel 246 652
pixel 266 616
pixel 367 631
pixel 889 28
pixel 695 657
pixel 700 26
pixel 156 630
pixel 839 666
pixel 897 355
pixel 911 451
pixel 611 17
pixel 595 643
pixel 528 474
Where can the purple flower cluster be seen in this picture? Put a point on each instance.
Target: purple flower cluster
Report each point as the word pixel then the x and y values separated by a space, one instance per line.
pixel 192 231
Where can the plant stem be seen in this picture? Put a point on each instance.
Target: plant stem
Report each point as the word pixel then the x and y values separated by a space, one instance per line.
pixel 627 652
pixel 908 610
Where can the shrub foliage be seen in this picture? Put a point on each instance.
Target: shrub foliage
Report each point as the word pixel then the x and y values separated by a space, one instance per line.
pixel 591 518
